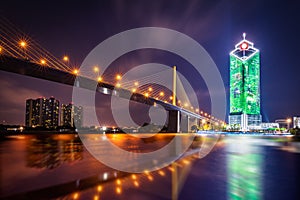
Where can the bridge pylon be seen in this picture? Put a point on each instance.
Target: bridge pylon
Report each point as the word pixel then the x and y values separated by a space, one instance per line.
pixel 174 86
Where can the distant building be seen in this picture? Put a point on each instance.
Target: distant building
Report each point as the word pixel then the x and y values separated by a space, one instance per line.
pixel 42 112
pixel 71 116
pixel 245 86
pixel 269 125
pixel 296 122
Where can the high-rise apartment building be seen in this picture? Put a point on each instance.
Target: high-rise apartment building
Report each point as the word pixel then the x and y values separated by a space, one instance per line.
pixel 42 112
pixel 71 116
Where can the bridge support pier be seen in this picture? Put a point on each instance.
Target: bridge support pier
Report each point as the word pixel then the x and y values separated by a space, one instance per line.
pixel 179 122
pixel 174 121
pixel 187 123
pixel 184 123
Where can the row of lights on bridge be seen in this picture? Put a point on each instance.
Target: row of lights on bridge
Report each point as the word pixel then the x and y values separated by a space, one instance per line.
pixel 118 77
pixel 23 44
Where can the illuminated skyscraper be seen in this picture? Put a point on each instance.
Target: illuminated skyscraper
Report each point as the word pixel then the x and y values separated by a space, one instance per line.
pixel 245 86
pixel 42 112
pixel 71 116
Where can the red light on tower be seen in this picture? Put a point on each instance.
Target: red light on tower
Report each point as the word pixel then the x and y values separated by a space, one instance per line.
pixel 244 46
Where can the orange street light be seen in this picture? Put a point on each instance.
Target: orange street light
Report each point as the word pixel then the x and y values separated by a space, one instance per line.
pixel 161 94
pixel 99 79
pixel 23 43
pixel 118 77
pixel 150 89
pixel 96 69
pixel 146 94
pixel 43 62
pixel 66 58
pixel 75 71
pixel 136 83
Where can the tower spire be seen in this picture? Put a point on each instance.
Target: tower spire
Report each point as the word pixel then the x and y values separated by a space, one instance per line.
pixel 244 35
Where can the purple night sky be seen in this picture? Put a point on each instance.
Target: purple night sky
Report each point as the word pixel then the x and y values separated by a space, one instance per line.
pixel 76 27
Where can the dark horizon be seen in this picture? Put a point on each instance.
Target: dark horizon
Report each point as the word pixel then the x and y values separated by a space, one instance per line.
pixel 75 28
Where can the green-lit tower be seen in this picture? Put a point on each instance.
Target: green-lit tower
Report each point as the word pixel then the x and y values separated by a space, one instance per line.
pixel 245 86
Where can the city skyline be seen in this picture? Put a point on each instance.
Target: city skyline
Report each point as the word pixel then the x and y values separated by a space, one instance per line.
pixel 48 113
pixel 279 71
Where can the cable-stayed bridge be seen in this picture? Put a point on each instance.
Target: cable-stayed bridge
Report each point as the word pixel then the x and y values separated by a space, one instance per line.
pixel 22 55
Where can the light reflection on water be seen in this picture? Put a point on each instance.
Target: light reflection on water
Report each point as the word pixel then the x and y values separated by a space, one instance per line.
pixel 58 166
pixel 51 152
pixel 244 165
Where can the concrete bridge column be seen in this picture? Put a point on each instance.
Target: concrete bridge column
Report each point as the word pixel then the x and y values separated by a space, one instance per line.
pixel 173 122
pixel 184 123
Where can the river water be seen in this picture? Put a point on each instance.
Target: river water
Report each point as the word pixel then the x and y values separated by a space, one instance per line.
pixel 59 166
